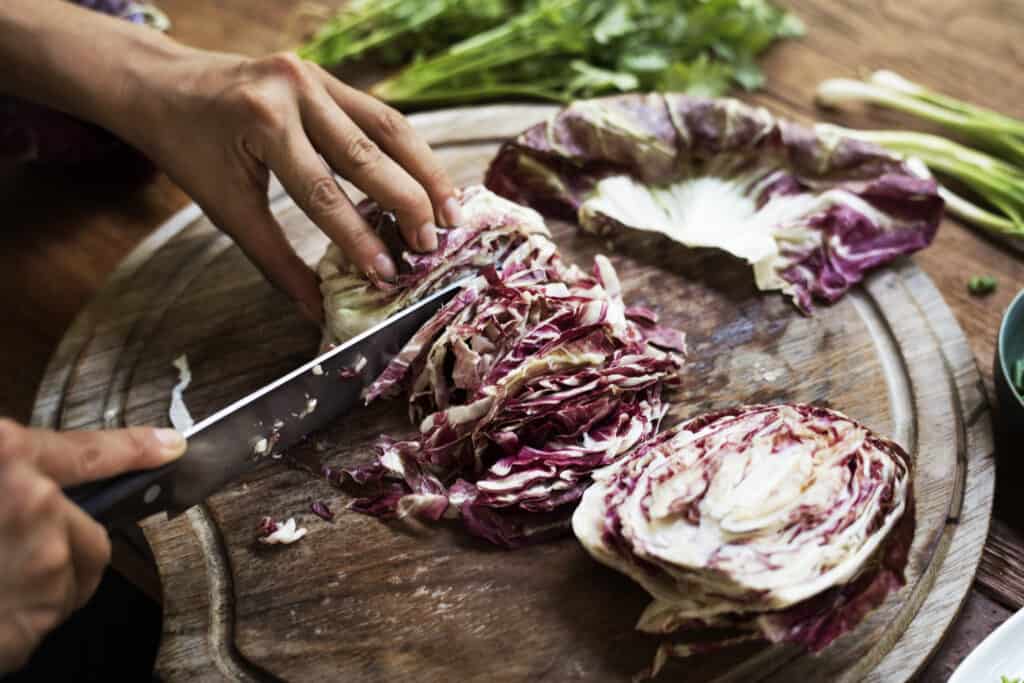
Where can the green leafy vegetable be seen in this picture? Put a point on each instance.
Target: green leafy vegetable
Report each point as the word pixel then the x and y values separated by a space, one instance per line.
pixel 995 175
pixel 1018 376
pixel 1004 679
pixel 980 285
pixel 392 31
pixel 466 51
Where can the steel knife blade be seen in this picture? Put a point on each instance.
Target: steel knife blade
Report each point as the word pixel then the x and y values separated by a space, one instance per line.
pixel 236 438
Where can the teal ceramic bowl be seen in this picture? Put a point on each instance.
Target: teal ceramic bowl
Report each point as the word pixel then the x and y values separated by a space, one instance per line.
pixel 1009 350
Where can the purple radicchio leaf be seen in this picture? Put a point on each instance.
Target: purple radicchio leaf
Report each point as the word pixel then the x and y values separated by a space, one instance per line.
pixel 810 211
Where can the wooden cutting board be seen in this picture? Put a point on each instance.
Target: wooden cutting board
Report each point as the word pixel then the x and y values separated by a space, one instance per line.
pixel 360 600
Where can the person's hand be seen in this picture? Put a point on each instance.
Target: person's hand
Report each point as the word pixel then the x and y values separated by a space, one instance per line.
pixel 52 554
pixel 217 123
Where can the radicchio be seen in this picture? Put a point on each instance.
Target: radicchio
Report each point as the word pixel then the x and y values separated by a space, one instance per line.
pixel 810 210
pixel 781 523
pixel 494 231
pixel 532 377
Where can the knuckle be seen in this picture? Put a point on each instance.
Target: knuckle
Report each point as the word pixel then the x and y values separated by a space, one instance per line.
pixel 324 196
pixel 392 124
pixel 436 178
pixel 412 198
pixel 52 557
pixel 361 151
pixel 41 497
pixel 287 66
pixel 360 240
pixel 260 105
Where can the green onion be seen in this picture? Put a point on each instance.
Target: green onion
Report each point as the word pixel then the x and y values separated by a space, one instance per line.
pixel 1018 376
pixel 980 285
pixel 997 182
pixel 1001 135
pixel 995 176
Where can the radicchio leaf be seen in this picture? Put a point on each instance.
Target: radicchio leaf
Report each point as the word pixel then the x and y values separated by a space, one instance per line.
pixel 810 210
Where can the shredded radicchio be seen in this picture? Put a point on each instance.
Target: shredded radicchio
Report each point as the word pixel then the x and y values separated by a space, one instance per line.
pixel 273 532
pixel 810 210
pixel 321 510
pixel 531 378
pixel 781 523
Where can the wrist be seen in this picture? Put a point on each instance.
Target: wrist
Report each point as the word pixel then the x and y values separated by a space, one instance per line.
pixel 77 61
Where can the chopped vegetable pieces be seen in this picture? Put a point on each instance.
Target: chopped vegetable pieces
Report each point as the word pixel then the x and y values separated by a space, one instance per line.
pixel 531 378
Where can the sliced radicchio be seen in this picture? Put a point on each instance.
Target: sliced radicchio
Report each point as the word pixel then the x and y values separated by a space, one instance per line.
pixel 774 523
pixel 272 532
pixel 494 231
pixel 810 210
pixel 524 384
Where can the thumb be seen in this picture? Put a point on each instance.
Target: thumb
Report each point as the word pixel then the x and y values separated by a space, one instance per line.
pixel 76 457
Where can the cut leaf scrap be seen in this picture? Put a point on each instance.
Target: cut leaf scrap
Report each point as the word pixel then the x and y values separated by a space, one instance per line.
pixel 811 210
pixel 783 523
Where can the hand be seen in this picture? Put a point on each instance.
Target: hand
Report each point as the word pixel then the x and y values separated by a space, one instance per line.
pixel 218 123
pixel 52 554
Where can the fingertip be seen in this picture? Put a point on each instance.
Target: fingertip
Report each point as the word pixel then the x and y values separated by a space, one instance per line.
pixel 172 444
pixel 383 267
pixel 426 237
pixel 451 212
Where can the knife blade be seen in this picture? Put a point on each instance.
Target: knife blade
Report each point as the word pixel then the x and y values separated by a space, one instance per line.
pixel 236 438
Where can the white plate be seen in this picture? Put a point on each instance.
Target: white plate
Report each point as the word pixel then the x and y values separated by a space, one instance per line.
pixel 1000 654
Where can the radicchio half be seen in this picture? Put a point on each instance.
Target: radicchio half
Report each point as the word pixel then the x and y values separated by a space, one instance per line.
pixel 783 523
pixel 810 210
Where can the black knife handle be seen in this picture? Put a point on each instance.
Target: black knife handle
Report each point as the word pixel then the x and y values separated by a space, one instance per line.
pixel 127 497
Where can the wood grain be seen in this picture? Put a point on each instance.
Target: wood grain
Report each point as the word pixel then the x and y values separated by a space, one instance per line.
pixel 439 602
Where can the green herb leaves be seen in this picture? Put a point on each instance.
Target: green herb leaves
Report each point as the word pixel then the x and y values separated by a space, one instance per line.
pixel 465 51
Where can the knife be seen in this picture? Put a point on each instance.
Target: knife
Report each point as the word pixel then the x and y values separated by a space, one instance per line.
pixel 233 440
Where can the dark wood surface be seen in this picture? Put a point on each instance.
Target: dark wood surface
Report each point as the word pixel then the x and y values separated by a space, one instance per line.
pixel 63 235
pixel 438 604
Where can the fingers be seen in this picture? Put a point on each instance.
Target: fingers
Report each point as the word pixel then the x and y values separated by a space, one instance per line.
pixel 397 138
pixel 266 246
pixel 312 185
pixel 360 160
pixel 72 458
pixel 90 552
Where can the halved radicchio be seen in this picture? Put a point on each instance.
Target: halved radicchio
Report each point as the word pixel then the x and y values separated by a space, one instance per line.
pixel 810 210
pixel 781 523
pixel 535 375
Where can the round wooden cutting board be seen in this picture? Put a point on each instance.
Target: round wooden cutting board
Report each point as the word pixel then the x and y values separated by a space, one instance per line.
pixel 362 600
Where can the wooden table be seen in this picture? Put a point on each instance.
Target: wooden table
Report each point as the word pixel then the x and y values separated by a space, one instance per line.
pixel 64 235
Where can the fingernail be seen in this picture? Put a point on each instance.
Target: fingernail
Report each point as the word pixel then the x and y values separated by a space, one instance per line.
pixel 452 212
pixel 427 237
pixel 384 267
pixel 172 443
